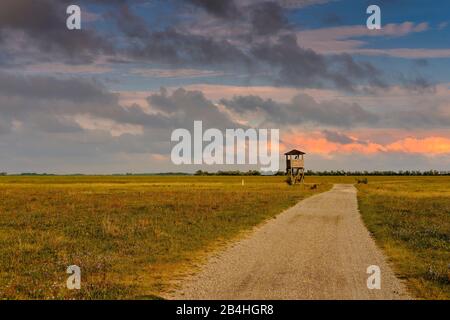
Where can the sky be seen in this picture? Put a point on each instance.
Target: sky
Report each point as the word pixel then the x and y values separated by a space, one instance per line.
pixel 106 98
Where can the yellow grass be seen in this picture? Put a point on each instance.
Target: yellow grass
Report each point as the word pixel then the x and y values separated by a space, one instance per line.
pixel 131 236
pixel 410 219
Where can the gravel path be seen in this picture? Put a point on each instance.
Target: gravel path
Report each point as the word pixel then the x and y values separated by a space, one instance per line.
pixel 318 249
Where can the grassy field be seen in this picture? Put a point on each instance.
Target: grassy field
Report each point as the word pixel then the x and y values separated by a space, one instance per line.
pixel 129 235
pixel 132 235
pixel 410 219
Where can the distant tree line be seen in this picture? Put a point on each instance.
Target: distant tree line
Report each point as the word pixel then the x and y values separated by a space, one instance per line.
pixel 36 174
pixel 153 174
pixel 228 173
pixel 257 173
pixel 378 173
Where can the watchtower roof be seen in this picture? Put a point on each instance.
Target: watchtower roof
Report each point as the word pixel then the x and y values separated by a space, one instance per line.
pixel 294 152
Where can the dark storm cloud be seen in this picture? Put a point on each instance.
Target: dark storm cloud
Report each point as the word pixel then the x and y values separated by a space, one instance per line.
pixel 32 16
pixel 47 130
pixel 47 121
pixel 302 3
pixel 304 67
pixel 178 49
pixel 131 24
pixel 184 107
pixel 304 109
pixel 430 117
pixel 267 49
pixel 417 84
pixel 296 66
pixel 222 9
pixel 279 57
pixel 337 137
pixel 50 104
pixel 36 97
pixel 50 123
pixel 268 18
pixel 44 24
pixel 51 88
pixel 341 138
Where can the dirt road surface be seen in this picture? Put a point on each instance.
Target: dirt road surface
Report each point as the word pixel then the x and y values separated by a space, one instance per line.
pixel 318 249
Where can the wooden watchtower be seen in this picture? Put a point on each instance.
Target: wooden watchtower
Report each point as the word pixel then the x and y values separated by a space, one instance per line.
pixel 295 165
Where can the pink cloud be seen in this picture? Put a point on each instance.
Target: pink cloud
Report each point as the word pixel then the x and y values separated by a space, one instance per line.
pixel 159 157
pixel 176 73
pixel 430 145
pixel 341 39
pixel 315 142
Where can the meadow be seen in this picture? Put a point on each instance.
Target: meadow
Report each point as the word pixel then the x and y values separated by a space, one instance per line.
pixel 409 218
pixel 131 236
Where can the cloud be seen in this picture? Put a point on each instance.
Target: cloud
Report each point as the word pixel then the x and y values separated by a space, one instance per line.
pixel 290 3
pixel 223 9
pixel 51 107
pixel 176 73
pixel 277 59
pixel 52 104
pixel 337 137
pixel 404 52
pixel 76 124
pixel 33 99
pixel 131 24
pixel 268 18
pixel 354 40
pixel 442 25
pixel 302 109
pixel 428 146
pixel 265 47
pixel 180 50
pixel 89 122
pixel 62 68
pixel 417 83
pixel 186 106
pixel 5 126
pixel 42 24
pixel 301 67
pixel 323 144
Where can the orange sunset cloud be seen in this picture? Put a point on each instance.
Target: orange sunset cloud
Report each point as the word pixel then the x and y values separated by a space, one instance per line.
pixel 317 143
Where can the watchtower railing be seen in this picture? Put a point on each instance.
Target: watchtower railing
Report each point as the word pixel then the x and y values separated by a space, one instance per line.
pixel 296 163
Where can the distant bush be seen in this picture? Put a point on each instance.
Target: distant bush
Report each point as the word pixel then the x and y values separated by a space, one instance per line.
pixel 362 181
pixel 228 173
pixel 378 173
